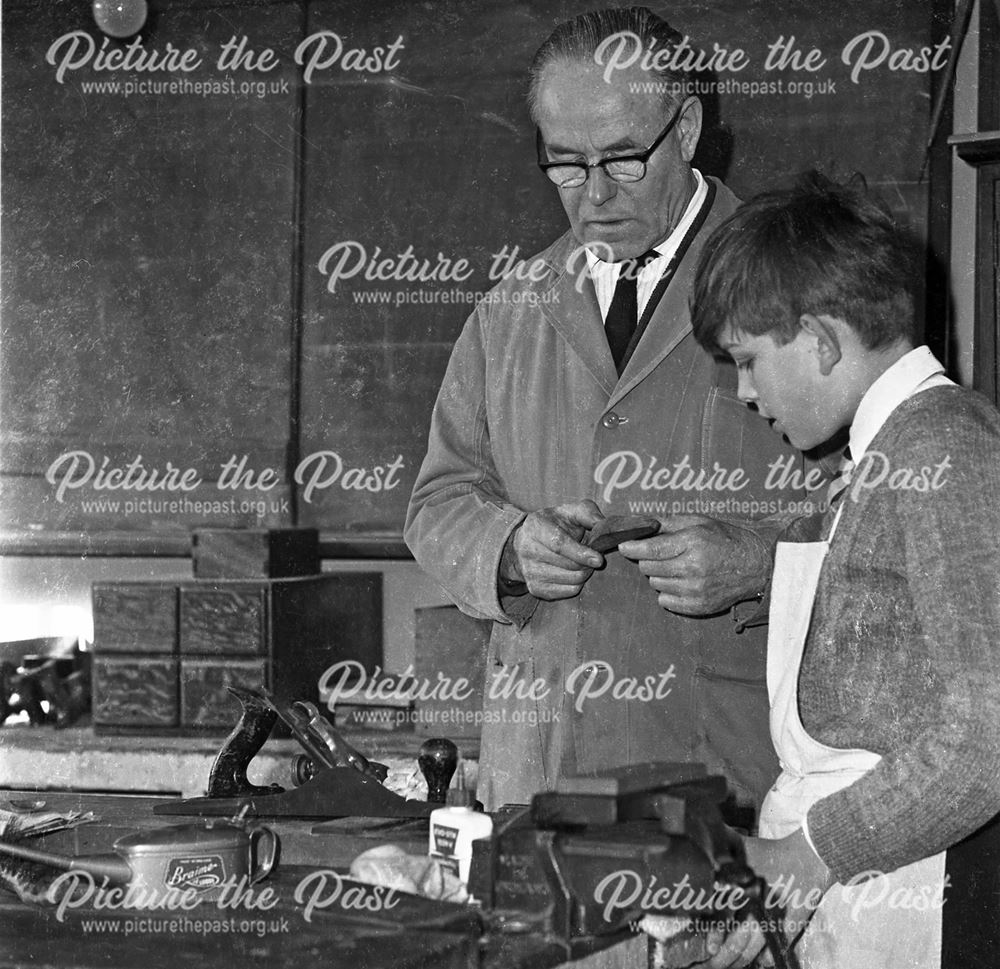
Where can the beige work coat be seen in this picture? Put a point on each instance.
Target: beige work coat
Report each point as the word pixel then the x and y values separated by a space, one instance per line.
pixel 530 407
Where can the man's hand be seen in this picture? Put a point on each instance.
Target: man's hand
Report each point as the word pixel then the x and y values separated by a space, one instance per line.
pixel 700 566
pixel 547 554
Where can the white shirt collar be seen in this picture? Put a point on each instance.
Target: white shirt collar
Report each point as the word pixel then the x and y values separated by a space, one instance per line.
pixel 899 382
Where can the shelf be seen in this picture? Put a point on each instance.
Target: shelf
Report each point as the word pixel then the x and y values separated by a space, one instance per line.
pixel 977 148
pixel 123 544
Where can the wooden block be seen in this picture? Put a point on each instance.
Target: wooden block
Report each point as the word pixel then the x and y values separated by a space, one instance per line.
pixel 250 553
pixel 455 645
pixel 135 617
pixel 135 691
pixel 218 617
pixel 205 697
pixel 635 778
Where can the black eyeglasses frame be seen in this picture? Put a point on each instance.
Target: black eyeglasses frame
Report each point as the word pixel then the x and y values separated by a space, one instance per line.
pixel 641 156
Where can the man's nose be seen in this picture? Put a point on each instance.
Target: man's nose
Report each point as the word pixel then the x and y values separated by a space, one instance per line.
pixel 600 187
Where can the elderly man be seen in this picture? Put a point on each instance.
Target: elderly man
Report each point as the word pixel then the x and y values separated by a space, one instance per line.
pixel 576 390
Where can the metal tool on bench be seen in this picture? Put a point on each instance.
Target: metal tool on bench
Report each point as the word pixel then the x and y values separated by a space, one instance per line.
pixel 47 678
pixel 334 780
pixel 600 852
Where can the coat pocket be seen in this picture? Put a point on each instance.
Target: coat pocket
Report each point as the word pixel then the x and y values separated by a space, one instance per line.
pixel 510 645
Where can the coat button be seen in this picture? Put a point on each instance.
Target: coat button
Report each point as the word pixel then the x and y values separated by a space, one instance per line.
pixel 611 419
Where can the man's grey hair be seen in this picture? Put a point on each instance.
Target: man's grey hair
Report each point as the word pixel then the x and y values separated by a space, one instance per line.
pixel 580 38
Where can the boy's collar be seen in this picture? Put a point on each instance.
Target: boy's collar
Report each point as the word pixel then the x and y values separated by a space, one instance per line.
pixel 891 388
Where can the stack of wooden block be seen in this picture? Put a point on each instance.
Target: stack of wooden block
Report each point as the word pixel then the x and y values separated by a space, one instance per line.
pixel 258 613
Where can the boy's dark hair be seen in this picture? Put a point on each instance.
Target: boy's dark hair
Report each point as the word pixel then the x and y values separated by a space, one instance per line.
pixel 819 248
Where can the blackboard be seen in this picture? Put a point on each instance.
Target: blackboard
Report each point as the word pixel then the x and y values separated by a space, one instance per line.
pixel 147 273
pixel 209 280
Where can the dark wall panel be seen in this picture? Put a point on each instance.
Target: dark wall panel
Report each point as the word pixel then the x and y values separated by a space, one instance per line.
pixel 147 268
pixel 164 289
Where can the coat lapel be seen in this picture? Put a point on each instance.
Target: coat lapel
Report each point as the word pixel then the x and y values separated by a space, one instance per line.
pixel 671 320
pixel 574 313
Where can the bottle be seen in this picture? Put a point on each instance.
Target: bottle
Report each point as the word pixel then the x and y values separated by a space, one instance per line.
pixel 454 827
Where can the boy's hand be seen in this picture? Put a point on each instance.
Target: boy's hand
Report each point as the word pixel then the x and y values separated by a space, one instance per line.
pixel 699 566
pixel 796 879
pixel 742 947
pixel 735 950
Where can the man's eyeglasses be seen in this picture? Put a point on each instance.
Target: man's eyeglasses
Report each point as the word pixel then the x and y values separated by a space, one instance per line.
pixel 620 168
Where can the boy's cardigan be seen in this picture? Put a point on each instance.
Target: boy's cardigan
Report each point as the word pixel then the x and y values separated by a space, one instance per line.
pixel 903 653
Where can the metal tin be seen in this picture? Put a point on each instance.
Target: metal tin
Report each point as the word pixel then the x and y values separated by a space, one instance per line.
pixel 200 858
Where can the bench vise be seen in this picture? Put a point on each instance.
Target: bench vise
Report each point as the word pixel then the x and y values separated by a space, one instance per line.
pixel 599 853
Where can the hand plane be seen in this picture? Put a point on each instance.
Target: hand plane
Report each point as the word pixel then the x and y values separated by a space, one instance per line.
pixel 334 779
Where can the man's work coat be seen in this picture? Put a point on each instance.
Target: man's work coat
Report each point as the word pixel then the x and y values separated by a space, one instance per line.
pixel 532 414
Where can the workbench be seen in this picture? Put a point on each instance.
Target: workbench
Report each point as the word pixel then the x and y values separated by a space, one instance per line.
pixel 417 932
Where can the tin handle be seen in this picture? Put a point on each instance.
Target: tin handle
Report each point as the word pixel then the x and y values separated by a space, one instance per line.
pixel 263 852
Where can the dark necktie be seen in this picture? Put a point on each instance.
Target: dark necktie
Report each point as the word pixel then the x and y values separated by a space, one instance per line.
pixel 623 314
pixel 837 487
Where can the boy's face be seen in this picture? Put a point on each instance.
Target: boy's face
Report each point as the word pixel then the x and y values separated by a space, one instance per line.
pixel 790 384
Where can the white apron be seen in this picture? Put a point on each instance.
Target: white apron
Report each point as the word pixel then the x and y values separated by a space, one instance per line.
pixel 889 922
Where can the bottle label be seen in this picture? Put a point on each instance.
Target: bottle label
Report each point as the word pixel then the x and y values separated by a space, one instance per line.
pixel 444 839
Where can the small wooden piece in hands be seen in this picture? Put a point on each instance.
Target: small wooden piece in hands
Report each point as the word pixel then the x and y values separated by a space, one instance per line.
pixel 608 534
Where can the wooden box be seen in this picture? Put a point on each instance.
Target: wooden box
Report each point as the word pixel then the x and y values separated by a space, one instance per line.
pixel 204 690
pixel 135 692
pixel 255 553
pixel 224 617
pixel 135 617
pixel 454 645
pixel 280 634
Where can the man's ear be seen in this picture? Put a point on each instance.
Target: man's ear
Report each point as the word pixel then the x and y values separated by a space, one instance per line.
pixel 690 127
pixel 827 341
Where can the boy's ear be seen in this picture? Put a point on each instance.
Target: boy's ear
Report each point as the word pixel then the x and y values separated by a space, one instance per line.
pixel 828 351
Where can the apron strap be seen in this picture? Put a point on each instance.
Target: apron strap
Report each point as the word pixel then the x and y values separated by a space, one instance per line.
pixel 836 522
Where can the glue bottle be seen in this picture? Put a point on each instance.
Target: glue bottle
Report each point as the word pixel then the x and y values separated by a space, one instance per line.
pixel 454 827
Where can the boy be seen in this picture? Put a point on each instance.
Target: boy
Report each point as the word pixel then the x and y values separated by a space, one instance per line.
pixel 884 640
